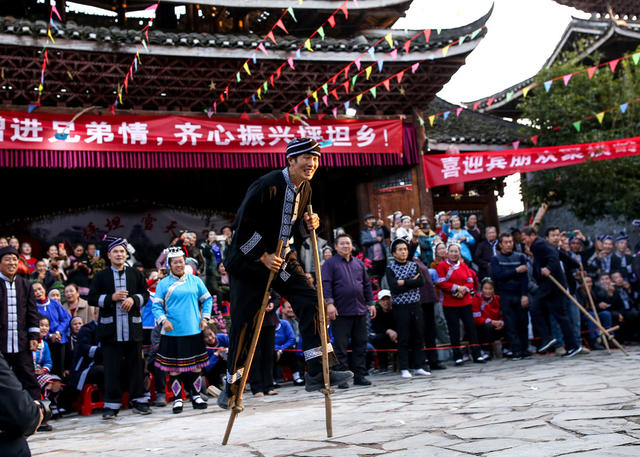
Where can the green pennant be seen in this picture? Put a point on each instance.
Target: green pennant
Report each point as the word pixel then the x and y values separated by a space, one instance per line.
pixel 462 38
pixel 475 34
pixel 290 10
pixel 353 80
pixel 420 120
pixel 325 87
pixel 439 30
pixel 509 95
pixel 577 125
pixel 265 86
pixel 321 32
pixel 635 58
pixel 374 91
pixel 238 77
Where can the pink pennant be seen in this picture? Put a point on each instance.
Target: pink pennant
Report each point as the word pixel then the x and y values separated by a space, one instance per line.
pixel 458 111
pixel 399 76
pixel 295 109
pixel 534 140
pixel 591 71
pixel 346 71
pixel 516 144
pixel 357 62
pixel 281 25
pixel 290 61
pixel 394 54
pixel 271 37
pixel 325 100
pixel 475 105
pixel 567 78
pixel 490 101
pixel 335 112
pixel 345 10
pixel 55 11
pixel 415 67
pixel 407 46
pixel 151 8
pixel 332 21
pixel 385 83
pixel 427 35
pixel 613 64
pixel 261 47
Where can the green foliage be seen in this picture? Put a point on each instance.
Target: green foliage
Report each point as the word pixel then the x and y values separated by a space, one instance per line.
pixel 593 189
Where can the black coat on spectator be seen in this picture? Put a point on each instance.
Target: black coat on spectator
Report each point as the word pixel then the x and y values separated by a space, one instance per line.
pixel 27 314
pixel 482 257
pixel 19 415
pixel 380 324
pixel 427 290
pixel 103 284
pixel 635 269
pixel 570 267
pixel 88 352
pixel 546 255
pixel 616 265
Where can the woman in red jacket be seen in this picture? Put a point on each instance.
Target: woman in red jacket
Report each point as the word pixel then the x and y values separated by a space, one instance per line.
pixel 488 317
pixel 456 280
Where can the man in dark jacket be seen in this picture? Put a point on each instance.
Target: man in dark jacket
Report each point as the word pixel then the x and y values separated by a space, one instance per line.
pixel 19 326
pixel 509 273
pixel 120 292
pixel 372 241
pixel 549 299
pixel 486 249
pixel 383 334
pixel 274 208
pixel 20 415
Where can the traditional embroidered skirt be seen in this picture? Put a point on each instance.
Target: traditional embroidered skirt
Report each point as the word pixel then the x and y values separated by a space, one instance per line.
pixel 181 353
pixel 46 378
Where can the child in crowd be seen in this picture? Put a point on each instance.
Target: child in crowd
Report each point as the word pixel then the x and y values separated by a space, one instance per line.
pixel 50 384
pixel 488 317
pixel 217 344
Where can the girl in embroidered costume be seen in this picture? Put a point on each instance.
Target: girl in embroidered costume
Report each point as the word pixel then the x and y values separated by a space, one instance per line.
pixel 50 384
pixel 176 305
pixel 457 281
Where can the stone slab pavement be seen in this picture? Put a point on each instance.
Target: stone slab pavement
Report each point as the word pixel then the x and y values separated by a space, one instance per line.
pixel 586 406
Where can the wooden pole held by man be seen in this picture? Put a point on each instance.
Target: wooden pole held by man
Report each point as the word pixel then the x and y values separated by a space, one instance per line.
pixel 322 324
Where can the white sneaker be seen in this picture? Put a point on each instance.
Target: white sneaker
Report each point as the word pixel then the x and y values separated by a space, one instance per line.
pixel 421 372
pixel 405 374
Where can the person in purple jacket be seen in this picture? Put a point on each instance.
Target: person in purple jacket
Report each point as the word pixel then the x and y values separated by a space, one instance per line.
pixel 349 298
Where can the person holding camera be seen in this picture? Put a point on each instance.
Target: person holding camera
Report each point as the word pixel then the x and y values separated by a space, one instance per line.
pixel 372 239
pixel 79 270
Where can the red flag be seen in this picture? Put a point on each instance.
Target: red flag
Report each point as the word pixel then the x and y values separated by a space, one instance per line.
pixel 475 105
pixel 279 71
pixel 221 97
pixel 407 46
pixel 271 37
pixel 346 71
pixel 490 101
pixel 591 71
pixel 281 25
pixel 427 34
pixel 334 92
pixel 345 10
pixel 271 79
pixel 320 116
pixel 334 79
pixel 385 83
pixel 534 139
pixel 346 86
pixel 287 117
pixel 244 115
pixel 332 21
pixel 399 76
pixel 613 64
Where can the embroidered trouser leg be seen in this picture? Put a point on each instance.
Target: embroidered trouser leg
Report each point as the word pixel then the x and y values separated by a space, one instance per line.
pixel 246 299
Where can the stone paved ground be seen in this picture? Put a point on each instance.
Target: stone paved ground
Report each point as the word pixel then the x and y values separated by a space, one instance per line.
pixel 586 406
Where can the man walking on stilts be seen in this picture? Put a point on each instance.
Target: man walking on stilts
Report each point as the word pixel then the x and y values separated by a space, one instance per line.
pixel 273 211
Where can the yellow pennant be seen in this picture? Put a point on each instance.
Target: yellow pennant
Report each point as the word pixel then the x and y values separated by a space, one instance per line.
pixel 307 44
pixel 525 91
pixel 368 72
pixel 308 111
pixel 315 95
pixel 445 50
pixel 389 39
pixel 358 98
pixel 431 119
pixel 246 68
pixel 51 36
pixel 259 92
pixel 120 95
pixel 600 117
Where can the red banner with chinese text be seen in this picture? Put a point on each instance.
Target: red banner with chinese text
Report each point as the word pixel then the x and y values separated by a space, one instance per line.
pixel 443 169
pixel 19 130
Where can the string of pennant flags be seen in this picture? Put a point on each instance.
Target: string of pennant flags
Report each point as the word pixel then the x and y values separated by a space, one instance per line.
pixel 45 55
pixel 577 125
pixel 331 20
pixel 367 70
pixel 136 61
pixel 373 90
pixel 566 78
pixel 260 47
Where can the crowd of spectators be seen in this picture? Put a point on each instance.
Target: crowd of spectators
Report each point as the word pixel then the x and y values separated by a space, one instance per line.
pixel 406 297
